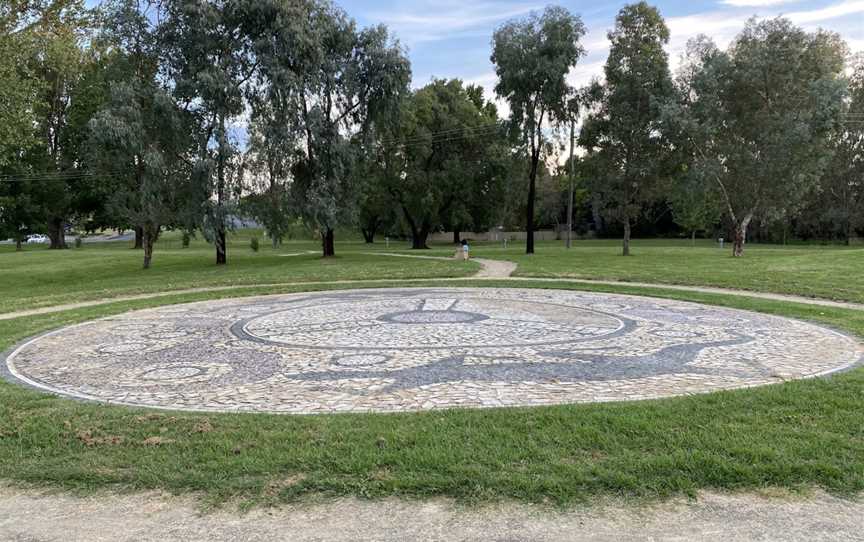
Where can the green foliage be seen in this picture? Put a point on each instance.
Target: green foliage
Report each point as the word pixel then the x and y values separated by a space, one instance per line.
pixel 624 136
pixel 355 78
pixel 140 137
pixel 795 435
pixel 532 58
pixel 253 244
pixel 838 208
pixel 444 162
pixel 210 56
pixel 694 204
pixel 759 115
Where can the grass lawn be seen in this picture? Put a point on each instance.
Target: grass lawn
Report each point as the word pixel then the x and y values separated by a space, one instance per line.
pixel 831 272
pixel 40 277
pixel 794 435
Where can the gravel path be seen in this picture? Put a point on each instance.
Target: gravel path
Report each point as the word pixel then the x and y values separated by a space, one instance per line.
pixel 36 516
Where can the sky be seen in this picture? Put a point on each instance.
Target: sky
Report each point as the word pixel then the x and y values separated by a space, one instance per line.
pixel 451 38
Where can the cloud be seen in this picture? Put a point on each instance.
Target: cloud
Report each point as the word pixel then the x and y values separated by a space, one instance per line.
pixel 835 11
pixel 434 21
pixel 756 3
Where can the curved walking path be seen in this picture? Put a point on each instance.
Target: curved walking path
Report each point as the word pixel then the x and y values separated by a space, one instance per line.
pixel 489 270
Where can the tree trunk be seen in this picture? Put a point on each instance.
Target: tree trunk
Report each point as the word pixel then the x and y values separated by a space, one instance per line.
pixel 368 236
pixel 532 192
pixel 457 237
pixel 221 239
pixel 327 244
pixel 56 233
pixel 570 192
pixel 740 236
pixel 418 238
pixel 17 244
pixel 139 237
pixel 221 255
pixel 149 235
pixel 626 246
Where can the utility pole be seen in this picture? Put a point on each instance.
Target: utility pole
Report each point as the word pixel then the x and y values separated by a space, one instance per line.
pixel 570 198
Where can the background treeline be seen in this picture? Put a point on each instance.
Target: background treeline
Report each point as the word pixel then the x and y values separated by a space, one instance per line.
pixel 187 114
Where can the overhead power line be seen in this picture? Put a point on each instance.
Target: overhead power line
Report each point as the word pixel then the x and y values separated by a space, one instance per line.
pixel 442 136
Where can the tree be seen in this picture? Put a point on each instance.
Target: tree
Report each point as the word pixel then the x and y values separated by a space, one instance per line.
pixel 842 186
pixel 626 124
pixel 532 58
pixel 270 166
pixel 441 166
pixel 140 138
pixel 210 62
pixel 69 88
pixel 694 205
pixel 19 213
pixel 376 209
pixel 18 84
pixel 143 130
pixel 759 115
pixel 335 82
pixel 573 117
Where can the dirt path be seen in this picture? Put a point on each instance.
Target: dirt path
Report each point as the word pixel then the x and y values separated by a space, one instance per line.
pixel 36 516
pixel 489 270
pixel 708 290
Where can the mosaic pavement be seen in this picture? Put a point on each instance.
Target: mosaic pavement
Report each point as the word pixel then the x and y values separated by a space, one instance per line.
pixel 422 348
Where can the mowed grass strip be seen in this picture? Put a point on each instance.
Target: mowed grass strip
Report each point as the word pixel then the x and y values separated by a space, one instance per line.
pixel 829 271
pixel 39 277
pixel 795 435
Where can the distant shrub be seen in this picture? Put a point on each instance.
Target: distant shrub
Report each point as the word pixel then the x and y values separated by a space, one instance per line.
pixel 253 244
pixel 78 242
pixel 186 239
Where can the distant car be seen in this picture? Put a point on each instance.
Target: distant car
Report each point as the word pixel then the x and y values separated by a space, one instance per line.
pixel 37 238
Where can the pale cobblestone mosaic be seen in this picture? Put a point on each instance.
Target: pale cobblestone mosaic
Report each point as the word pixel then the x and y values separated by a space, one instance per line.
pixel 410 349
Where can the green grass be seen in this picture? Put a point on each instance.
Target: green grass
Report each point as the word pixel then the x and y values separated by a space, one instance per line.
pixel 39 277
pixel 831 272
pixel 795 435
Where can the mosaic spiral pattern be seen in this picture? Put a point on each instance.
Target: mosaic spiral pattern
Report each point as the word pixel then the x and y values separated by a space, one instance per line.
pixel 421 348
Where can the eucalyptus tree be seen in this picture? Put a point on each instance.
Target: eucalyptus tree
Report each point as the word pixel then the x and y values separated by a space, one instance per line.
pixel 532 58
pixel 143 131
pixel 210 62
pixel 141 138
pixel 269 171
pixel 356 78
pixel 332 82
pixel 625 126
pixel 759 116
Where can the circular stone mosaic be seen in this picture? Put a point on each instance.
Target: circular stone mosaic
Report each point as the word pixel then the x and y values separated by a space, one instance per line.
pixel 421 348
